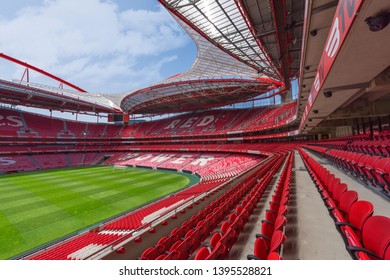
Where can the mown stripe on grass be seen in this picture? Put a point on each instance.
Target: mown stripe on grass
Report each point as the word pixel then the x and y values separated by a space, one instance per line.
pixel 51 204
pixel 10 236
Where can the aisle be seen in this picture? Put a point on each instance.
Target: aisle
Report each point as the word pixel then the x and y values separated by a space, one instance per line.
pixel 310 231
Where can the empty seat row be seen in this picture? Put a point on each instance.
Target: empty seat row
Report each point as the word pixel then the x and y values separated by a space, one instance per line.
pixel 372 147
pixel 269 241
pixel 366 236
pixel 200 225
pixel 373 170
pixel 25 124
pixel 232 227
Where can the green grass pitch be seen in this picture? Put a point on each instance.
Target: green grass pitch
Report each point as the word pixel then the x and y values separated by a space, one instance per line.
pixel 39 207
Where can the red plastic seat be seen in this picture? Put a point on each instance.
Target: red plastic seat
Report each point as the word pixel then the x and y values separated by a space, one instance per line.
pixel 152 253
pixel 202 254
pixel 346 200
pixel 280 222
pixel 183 248
pixel 225 226
pixel 376 238
pixel 167 241
pixel 359 212
pixel 267 229
pixel 263 248
pixel 228 239
pixel 218 252
pixel 381 172
pixel 161 257
pixel 238 209
pixel 215 239
pixel 369 169
pixel 338 191
pixel 232 217
pixel 273 256
pixel 361 165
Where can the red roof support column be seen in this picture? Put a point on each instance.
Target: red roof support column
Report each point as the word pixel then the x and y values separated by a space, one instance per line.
pixel 244 13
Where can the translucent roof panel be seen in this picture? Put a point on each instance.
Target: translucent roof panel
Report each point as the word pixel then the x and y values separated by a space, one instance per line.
pixel 222 23
pixel 215 77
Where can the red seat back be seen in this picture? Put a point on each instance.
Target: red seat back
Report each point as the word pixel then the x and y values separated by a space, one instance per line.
pixel 218 253
pixel 273 256
pixel 215 239
pixel 280 222
pixel 270 216
pixel 232 217
pixel 261 248
pixel 225 226
pixel 202 254
pixel 387 253
pixel 283 210
pixel 338 191
pixel 267 229
pixel 376 235
pixel 346 200
pixel 277 240
pixel 359 212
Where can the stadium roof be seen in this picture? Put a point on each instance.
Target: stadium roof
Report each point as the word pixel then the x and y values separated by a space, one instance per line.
pixel 47 97
pixel 240 55
pixel 245 49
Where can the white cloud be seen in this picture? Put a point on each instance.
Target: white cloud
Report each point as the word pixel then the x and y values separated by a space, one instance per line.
pixel 91 43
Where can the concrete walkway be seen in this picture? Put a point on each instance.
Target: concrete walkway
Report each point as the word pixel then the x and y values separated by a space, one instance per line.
pixel 310 231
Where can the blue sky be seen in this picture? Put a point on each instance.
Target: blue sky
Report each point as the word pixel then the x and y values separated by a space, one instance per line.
pixel 100 45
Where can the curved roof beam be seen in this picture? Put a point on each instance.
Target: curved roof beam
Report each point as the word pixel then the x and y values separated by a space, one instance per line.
pixel 223 25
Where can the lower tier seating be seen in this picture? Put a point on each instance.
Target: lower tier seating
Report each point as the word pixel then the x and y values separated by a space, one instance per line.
pixel 228 213
pixel 370 169
pixel 269 243
pixel 366 236
pixel 125 225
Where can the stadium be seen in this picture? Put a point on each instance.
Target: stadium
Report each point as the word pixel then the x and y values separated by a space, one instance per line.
pixel 273 145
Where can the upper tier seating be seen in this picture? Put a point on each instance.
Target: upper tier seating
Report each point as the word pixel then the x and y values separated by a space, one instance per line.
pixel 221 121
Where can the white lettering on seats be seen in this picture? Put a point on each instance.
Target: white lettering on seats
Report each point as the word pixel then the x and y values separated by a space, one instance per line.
pixel 6 161
pixel 189 122
pixel 13 121
pixel 181 159
pixel 172 124
pixel 202 160
pixel 128 156
pixel 143 157
pixel 162 157
pixel 206 120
